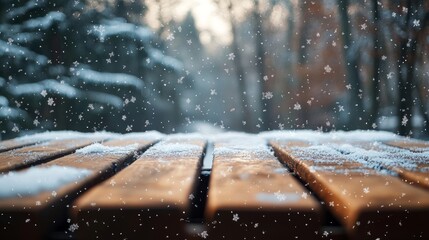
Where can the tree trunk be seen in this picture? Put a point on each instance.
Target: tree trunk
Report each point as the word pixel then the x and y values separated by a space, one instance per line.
pixel 266 113
pixel 405 81
pixel 375 87
pixel 356 110
pixel 239 70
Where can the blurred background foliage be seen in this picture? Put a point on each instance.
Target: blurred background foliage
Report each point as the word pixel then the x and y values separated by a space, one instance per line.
pixel 250 65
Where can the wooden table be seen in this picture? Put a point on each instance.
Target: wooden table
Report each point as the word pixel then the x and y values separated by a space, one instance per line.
pixel 273 185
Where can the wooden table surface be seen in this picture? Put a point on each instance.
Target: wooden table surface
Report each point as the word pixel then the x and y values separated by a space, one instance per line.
pixel 272 185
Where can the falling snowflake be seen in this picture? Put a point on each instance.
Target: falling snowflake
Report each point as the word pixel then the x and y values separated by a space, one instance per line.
pixel 297 106
pixel 54 194
pixel 267 95
pixel 404 121
pixel 384 57
pixel 146 123
pixel 112 182
pixel 231 56
pixel 124 117
pixel 43 93
pixel 349 86
pixel 280 196
pixel 170 37
pixel 91 106
pixel 363 26
pixel 389 75
pixel 36 122
pixel 304 195
pixel 204 234
pixel 235 217
pixel 340 108
pixel 51 102
pixel 281 126
pixel 15 128
pixel 416 23
pixel 265 78
pixel 73 227
pixel 328 69
pixel 191 196
pixel 213 92
pixel 189 41
pixel 129 128
pixel 366 190
pixel 188 100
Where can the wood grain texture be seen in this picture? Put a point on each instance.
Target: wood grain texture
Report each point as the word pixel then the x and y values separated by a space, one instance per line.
pixel 253 196
pixel 367 203
pixel 39 153
pixel 35 216
pixel 149 198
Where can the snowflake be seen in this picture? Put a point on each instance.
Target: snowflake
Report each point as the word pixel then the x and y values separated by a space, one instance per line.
pixel 54 194
pixel 191 196
pixel 73 227
pixel 38 203
pixel 334 44
pixel 108 60
pixel 280 196
pixel 36 122
pixel 170 37
pixel 91 106
pixel 51 102
pixel 416 23
pixel 256 225
pixel 189 41
pixel 9 41
pixel 374 126
pixel 15 128
pixel 235 217
pixel 231 56
pixel 44 93
pixel 188 100
pixel 340 108
pixel 204 234
pixel 213 92
pixel 197 107
pixel 366 190
pixel 111 54
pixel 129 128
pixel 124 117
pixel 363 26
pixel 384 57
pixel 281 126
pixel 267 95
pixel 27 220
pixel 389 75
pixel 331 204
pixel 328 69
pixel 304 195
pixel 133 99
pixel 404 121
pixel 349 86
pixel 112 182
pixel 297 106
pixel 265 78
pixel 146 123
pixel 325 233
pixel 180 80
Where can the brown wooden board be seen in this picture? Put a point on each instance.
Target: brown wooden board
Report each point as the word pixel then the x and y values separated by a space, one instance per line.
pixel 367 202
pixel 34 216
pixel 253 196
pixel 16 143
pixel 39 153
pixel 410 161
pixel 150 199
pixel 410 144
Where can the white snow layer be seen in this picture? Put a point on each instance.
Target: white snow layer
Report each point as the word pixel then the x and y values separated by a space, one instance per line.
pixel 98 148
pixel 38 179
pixel 321 137
pixel 64 135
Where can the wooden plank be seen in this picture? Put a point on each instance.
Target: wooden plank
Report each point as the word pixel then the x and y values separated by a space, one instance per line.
pixel 253 196
pixel 410 144
pixel 16 143
pixel 39 153
pixel 409 160
pixel 368 203
pixel 35 215
pixel 148 199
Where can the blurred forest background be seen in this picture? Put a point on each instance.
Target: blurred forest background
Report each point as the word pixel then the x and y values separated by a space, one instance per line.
pixel 186 65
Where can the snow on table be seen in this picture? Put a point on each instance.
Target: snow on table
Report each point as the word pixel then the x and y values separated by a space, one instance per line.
pixel 238 185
